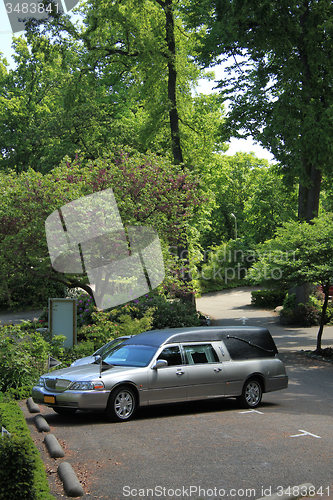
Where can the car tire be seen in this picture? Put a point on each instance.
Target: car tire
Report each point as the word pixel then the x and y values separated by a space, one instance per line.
pixel 64 411
pixel 121 405
pixel 252 394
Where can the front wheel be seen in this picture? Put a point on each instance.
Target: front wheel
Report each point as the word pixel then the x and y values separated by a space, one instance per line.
pixel 251 395
pixel 121 405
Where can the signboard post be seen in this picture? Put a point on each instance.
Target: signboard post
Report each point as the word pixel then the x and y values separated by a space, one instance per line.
pixel 62 319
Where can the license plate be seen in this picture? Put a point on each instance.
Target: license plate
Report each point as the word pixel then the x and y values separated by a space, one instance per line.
pixel 49 399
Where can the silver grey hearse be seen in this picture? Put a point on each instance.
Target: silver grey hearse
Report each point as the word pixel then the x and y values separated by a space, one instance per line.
pixel 167 366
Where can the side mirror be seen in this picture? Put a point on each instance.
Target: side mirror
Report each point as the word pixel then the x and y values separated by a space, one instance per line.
pixel 160 363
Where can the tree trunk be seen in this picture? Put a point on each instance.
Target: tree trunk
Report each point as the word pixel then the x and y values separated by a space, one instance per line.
pixel 182 248
pixel 308 207
pixel 308 195
pixel 172 82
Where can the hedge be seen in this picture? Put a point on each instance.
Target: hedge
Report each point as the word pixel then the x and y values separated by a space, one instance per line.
pixel 268 298
pixel 22 472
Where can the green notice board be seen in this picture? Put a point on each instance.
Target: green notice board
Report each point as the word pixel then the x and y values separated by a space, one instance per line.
pixel 62 319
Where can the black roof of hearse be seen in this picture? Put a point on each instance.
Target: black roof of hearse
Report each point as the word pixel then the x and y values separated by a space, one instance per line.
pixel 250 335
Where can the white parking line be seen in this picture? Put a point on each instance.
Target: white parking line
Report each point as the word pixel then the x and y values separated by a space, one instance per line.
pixel 252 411
pixel 305 433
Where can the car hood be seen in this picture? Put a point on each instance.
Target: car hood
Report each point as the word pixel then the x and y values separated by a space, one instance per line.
pixel 85 372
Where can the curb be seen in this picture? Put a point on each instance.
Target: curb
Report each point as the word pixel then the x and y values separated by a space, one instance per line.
pixel 53 447
pixel 41 424
pixel 68 477
pixel 71 483
pixel 301 488
pixel 32 407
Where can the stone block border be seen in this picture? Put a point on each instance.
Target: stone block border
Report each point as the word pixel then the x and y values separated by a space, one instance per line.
pixel 67 475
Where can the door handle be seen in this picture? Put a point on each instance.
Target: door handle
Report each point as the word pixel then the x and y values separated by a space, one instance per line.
pixel 179 372
pixel 217 369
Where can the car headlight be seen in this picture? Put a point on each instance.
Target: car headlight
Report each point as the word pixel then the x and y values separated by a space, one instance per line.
pixel 41 382
pixel 87 386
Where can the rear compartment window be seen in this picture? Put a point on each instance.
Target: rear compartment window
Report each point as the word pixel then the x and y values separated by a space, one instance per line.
pixel 197 354
pixel 258 347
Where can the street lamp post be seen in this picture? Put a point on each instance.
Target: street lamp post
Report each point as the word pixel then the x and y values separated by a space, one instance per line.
pixel 234 216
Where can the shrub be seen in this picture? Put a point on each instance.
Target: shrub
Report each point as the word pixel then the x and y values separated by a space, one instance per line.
pixel 24 356
pixel 167 313
pixel 22 473
pixel 267 298
pixel 16 473
pixel 105 327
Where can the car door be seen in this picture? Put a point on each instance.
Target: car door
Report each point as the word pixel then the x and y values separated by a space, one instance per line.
pixel 168 384
pixel 205 371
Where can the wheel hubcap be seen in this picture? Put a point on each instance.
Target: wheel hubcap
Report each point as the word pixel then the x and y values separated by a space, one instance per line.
pixel 123 404
pixel 252 393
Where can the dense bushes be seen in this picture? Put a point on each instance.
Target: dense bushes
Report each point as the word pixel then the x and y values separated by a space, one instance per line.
pixel 22 473
pixel 25 293
pixel 267 298
pixel 23 355
pixel 166 313
pixel 301 314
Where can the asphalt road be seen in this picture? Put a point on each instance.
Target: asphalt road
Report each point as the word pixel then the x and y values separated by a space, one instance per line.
pixel 213 449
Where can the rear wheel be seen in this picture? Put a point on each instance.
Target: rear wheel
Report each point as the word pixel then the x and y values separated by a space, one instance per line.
pixel 252 394
pixel 121 405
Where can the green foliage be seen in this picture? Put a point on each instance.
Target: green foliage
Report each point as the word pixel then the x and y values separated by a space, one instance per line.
pixel 25 292
pixel 148 189
pixel 289 302
pixel 24 356
pixel 300 253
pixel 267 298
pixel 280 87
pixel 302 315
pixel 16 473
pixel 247 187
pixel 104 82
pixel 105 328
pixel 168 313
pixel 22 473
pixel 224 266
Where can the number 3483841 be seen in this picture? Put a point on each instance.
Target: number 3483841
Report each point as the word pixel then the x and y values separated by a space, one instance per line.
pixel 31 8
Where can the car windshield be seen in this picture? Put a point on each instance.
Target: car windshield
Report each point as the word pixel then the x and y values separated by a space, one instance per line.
pixel 107 347
pixel 129 355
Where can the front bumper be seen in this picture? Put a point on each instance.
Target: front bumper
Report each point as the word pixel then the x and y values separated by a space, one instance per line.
pixel 82 400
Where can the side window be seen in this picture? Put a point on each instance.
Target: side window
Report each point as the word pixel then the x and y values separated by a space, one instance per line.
pixel 171 355
pixel 195 354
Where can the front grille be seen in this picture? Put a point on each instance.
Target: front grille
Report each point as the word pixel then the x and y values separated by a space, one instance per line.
pixel 57 384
